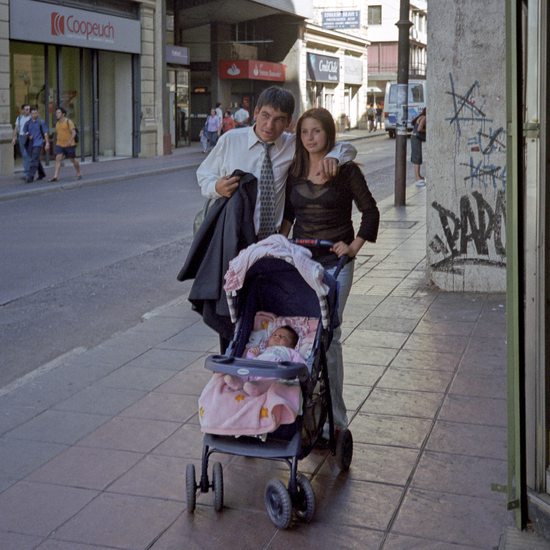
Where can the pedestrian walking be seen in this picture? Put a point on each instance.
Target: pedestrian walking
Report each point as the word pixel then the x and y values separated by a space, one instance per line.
pixel 417 138
pixel 36 132
pixel 212 128
pixel 227 123
pixel 317 207
pixel 242 117
pixel 65 144
pixel 379 111
pixel 20 138
pixel 371 115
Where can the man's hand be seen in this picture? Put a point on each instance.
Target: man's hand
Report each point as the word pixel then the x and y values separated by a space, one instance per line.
pixel 227 185
pixel 47 146
pixel 327 168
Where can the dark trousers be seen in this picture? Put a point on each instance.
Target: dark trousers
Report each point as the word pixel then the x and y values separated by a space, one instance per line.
pixel 35 163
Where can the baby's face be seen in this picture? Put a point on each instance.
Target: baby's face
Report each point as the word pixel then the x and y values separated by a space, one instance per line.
pixel 281 337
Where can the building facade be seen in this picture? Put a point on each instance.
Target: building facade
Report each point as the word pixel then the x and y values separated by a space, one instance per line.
pixel 100 65
pixel 375 21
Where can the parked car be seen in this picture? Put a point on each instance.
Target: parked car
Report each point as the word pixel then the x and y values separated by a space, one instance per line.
pixel 416 101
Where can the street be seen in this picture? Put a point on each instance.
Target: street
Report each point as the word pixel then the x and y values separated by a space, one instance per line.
pixel 82 264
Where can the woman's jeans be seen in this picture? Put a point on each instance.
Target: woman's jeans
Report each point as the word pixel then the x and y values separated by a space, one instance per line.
pixel 335 361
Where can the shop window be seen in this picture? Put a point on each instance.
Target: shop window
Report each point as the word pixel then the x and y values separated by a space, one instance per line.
pixel 27 77
pixel 374 15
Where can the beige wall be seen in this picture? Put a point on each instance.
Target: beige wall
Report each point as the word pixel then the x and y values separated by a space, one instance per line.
pixel 151 106
pixel 6 129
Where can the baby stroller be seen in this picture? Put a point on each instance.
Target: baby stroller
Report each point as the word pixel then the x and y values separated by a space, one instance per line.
pixel 274 285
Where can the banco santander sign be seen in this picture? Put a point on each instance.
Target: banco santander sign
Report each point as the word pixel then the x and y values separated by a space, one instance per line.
pixel 73 27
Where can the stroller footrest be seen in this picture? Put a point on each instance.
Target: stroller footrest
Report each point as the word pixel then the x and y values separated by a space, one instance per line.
pixel 254 447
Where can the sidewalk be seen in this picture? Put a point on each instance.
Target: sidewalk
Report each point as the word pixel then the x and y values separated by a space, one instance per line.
pixel 116 169
pixel 94 446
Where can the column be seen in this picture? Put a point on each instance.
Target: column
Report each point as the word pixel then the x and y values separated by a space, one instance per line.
pixel 150 114
pixel 6 129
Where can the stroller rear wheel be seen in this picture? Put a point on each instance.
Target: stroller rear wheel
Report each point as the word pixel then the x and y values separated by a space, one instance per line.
pixel 217 485
pixel 191 488
pixel 304 500
pixel 278 503
pixel 344 450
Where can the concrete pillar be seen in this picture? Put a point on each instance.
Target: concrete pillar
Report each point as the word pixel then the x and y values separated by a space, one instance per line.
pixel 220 36
pixel 6 128
pixel 465 153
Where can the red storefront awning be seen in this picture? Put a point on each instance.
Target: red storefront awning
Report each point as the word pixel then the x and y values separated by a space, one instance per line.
pixel 252 69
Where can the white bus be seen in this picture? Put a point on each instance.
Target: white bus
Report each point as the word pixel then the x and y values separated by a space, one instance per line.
pixel 416 99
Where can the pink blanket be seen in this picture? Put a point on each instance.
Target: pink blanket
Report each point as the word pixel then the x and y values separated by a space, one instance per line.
pixel 227 411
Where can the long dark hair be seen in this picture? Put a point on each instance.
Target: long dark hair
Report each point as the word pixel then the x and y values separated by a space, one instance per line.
pixel 300 165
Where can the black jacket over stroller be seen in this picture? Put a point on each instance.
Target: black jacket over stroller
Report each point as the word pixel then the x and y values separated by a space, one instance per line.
pixel 276 286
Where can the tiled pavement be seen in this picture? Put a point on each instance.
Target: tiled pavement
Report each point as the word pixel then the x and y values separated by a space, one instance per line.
pixel 93 447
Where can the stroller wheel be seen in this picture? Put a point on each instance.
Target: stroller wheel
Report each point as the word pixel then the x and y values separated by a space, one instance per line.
pixel 278 504
pixel 217 484
pixel 304 500
pixel 344 450
pixel 191 488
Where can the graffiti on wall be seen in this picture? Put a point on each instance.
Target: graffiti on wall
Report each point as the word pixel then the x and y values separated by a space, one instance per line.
pixel 473 232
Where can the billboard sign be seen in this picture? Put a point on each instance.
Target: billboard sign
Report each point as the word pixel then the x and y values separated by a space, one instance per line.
pixel 252 69
pixel 344 19
pixel 323 68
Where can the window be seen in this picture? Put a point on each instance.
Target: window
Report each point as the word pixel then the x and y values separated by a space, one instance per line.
pixel 375 15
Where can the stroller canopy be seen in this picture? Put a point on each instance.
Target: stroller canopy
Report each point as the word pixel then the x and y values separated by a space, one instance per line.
pixel 283 280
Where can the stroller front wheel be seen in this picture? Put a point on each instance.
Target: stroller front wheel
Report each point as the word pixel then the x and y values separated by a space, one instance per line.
pixel 278 503
pixel 191 488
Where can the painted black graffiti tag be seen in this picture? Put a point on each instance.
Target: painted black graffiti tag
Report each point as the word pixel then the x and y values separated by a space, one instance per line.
pixel 468 235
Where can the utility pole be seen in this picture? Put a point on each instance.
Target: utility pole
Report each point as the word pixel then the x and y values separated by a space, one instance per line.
pixel 404 26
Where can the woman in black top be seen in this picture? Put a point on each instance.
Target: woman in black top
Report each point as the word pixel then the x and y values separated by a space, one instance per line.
pixel 321 209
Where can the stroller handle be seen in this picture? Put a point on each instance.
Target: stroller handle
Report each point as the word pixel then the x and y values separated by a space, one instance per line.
pixel 323 243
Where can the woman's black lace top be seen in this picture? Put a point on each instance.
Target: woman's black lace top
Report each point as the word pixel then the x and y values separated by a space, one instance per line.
pixel 324 211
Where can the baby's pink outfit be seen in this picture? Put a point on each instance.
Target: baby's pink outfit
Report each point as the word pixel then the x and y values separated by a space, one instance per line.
pixel 277 354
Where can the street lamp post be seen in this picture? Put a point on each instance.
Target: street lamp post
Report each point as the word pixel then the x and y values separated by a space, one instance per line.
pixel 404 26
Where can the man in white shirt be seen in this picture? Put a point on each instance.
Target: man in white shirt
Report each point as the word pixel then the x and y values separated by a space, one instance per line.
pixel 241 117
pixel 243 149
pixel 20 137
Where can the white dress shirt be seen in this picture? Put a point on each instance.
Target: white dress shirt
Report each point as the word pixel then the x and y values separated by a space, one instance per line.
pixel 242 149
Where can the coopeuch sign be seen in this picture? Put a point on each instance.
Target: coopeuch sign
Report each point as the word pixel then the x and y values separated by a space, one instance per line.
pixel 56 24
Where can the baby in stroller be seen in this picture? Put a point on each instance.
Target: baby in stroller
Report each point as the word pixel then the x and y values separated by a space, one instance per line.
pixel 280 347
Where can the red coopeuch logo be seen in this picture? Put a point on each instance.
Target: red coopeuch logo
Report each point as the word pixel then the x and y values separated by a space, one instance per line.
pixel 57 23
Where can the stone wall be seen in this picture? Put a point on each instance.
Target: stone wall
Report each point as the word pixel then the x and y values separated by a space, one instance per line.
pixel 465 153
pixel 6 128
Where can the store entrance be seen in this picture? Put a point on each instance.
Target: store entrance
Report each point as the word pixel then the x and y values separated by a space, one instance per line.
pixel 178 83
pixel 95 88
